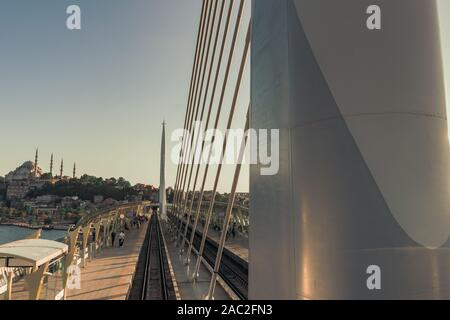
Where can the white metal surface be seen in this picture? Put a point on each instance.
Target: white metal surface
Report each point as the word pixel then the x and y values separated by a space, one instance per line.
pixel 364 157
pixel 30 253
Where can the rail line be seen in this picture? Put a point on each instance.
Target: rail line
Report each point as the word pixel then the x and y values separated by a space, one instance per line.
pixel 152 280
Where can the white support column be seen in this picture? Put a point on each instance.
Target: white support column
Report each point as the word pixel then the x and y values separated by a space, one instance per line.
pixel 364 156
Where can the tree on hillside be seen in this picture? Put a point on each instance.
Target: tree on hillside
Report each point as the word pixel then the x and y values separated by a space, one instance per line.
pixel 122 183
pixel 85 188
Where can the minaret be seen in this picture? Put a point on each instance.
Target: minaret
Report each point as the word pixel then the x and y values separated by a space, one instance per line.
pixel 61 169
pixel 51 165
pixel 74 169
pixel 162 183
pixel 36 161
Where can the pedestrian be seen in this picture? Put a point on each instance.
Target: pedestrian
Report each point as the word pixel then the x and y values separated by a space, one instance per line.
pixel 113 238
pixel 121 238
pixel 136 222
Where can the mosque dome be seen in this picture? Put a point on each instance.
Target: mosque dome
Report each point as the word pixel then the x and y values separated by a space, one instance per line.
pixel 25 172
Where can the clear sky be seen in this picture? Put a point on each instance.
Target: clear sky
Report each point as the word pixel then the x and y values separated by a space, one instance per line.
pixel 444 16
pixel 98 96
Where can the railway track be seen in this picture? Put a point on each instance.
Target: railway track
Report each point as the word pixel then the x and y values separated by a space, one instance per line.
pixel 233 269
pixel 152 280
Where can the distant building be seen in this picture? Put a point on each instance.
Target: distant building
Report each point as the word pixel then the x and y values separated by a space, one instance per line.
pixel 27 171
pixel 47 199
pixel 45 205
pixel 71 202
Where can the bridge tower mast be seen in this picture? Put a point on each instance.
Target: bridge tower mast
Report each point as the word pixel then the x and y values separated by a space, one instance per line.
pixel 162 183
pixel 36 161
pixel 51 165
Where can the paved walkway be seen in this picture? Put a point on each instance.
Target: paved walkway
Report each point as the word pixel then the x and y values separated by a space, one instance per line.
pixel 109 275
pixel 182 273
pixel 237 245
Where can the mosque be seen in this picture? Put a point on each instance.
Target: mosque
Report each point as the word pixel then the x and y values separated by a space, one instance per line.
pixel 30 176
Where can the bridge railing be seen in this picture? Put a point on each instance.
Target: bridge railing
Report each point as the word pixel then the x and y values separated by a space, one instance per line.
pixel 86 239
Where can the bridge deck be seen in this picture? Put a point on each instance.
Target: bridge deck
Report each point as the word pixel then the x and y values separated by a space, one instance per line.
pixel 185 288
pixel 109 275
pixel 238 244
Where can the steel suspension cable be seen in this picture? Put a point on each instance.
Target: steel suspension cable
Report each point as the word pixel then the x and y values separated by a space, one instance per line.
pixel 202 116
pixel 192 100
pixel 197 103
pixel 197 213
pixel 197 50
pixel 226 222
pixel 230 120
pixel 194 114
pixel 209 112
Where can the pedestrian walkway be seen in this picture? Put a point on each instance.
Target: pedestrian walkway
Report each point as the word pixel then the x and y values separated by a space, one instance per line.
pixel 237 245
pixel 188 290
pixel 110 274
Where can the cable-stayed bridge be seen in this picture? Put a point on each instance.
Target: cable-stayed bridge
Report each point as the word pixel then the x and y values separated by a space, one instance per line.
pixel 359 206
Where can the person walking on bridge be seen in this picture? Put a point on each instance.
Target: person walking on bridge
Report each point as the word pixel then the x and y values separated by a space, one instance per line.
pixel 113 238
pixel 121 238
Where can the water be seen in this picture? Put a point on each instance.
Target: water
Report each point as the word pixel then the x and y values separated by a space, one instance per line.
pixel 9 234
